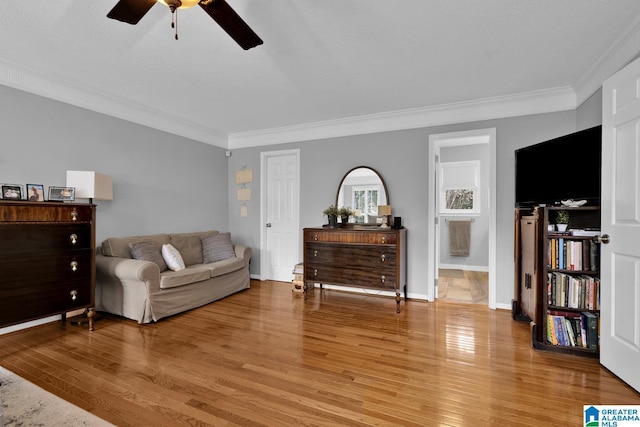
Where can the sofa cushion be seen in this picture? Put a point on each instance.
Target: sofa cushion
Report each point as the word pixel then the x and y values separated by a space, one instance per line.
pixel 225 266
pixel 190 246
pixel 217 247
pixel 192 274
pixel 119 246
pixel 172 257
pixel 148 251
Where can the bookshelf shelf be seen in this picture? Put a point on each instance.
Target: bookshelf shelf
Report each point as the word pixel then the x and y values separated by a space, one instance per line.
pixel 557 281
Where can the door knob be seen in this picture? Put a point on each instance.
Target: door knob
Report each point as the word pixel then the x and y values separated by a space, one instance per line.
pixel 268 225
pixel 605 239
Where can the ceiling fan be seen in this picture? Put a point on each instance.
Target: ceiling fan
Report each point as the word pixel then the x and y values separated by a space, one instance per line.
pixel 131 11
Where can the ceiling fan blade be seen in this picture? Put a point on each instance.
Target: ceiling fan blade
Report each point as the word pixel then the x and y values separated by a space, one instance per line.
pixel 231 22
pixel 130 11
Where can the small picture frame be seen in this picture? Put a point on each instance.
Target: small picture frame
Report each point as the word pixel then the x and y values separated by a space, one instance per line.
pixel 12 191
pixel 62 194
pixel 35 192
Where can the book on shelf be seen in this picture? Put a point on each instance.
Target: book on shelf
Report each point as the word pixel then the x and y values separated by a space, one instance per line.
pixel 573 291
pixel 566 329
pixel 591 327
pixel 551 332
pixel 576 255
pixel 594 253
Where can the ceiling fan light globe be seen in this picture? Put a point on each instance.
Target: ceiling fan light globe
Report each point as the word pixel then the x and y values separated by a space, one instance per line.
pixel 186 4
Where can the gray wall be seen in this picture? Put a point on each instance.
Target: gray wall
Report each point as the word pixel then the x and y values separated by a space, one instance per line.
pixel 167 183
pixel 401 158
pixel 479 248
pixel 161 182
pixel 589 114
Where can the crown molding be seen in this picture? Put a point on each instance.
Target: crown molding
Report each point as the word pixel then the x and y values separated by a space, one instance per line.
pixel 622 51
pixel 543 101
pixel 49 86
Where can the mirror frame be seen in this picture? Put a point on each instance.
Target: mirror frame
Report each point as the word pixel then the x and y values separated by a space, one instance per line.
pixel 384 185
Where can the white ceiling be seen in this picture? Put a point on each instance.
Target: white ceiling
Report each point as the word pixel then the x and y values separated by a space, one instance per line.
pixel 326 67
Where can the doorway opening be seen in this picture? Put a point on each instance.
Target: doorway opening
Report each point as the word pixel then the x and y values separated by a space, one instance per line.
pixel 462 217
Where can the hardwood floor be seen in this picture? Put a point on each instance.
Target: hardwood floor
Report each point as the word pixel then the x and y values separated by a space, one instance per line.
pixel 463 286
pixel 265 357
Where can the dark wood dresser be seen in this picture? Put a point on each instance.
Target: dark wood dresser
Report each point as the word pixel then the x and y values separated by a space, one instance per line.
pixel 357 256
pixel 47 260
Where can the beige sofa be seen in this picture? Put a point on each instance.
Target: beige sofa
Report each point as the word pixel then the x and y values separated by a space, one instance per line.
pixel 138 290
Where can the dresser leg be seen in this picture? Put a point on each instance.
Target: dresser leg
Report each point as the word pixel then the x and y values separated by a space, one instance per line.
pixel 91 313
pixel 398 302
pixel 88 316
pixel 304 287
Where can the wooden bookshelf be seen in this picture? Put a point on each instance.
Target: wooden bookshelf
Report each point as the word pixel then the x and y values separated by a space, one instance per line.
pixel 566 283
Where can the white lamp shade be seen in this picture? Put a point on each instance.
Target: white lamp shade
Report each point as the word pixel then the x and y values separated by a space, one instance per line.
pixel 90 185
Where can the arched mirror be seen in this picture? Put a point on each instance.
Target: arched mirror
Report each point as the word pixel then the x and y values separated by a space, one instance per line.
pixel 363 190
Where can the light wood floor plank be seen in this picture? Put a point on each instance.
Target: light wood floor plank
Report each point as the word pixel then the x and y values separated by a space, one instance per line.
pixel 265 357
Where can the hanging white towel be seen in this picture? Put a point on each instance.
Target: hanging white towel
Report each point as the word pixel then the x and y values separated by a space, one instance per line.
pixel 459 237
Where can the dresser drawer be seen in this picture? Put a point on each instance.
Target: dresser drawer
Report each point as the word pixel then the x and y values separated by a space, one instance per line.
pixel 43 300
pixel 358 277
pixel 373 237
pixel 43 238
pixel 50 212
pixel 369 256
pixel 26 272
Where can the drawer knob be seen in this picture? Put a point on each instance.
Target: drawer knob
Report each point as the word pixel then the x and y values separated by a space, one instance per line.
pixel 74 295
pixel 383 257
pixel 315 271
pixel 74 216
pixel 382 279
pixel 315 236
pixel 384 239
pixel 73 239
pixel 74 266
pixel 315 253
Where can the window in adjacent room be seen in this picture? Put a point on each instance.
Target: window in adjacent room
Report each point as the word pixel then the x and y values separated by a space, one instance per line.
pixel 459 187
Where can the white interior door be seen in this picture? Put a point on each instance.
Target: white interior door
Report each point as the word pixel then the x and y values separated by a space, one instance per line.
pixel 280 214
pixel 620 260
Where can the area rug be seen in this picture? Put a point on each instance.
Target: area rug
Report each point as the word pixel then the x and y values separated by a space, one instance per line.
pixel 25 404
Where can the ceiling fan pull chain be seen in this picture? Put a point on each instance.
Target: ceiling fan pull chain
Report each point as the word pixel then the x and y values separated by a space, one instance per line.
pixel 176 24
pixel 173 6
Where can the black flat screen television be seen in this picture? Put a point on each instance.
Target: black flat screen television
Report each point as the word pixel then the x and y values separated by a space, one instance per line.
pixel 563 168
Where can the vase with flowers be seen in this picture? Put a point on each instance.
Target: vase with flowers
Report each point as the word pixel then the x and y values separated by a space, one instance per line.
pixel 332 215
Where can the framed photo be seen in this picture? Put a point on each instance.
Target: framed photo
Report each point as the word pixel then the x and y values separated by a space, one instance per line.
pixel 35 192
pixel 62 194
pixel 12 191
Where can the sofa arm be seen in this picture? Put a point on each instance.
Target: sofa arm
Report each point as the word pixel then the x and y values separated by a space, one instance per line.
pixel 243 252
pixel 126 270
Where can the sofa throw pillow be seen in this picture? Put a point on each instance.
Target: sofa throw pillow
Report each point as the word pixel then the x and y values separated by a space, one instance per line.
pixel 217 247
pixel 172 257
pixel 148 251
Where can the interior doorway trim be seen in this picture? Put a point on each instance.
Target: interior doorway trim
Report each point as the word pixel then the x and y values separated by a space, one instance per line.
pixel 436 142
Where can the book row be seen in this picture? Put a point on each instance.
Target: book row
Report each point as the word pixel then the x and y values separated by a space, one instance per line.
pixel 573 291
pixel 573 329
pixel 567 254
